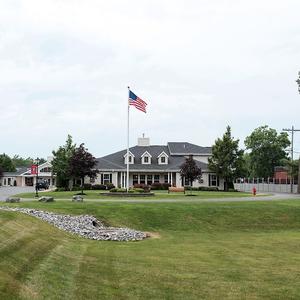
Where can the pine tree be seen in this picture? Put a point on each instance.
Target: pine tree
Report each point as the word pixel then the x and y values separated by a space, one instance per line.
pixel 227 160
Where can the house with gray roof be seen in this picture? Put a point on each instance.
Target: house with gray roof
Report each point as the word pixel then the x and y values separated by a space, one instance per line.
pixel 23 176
pixel 150 164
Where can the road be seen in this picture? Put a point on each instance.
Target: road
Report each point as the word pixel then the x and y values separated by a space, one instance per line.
pixel 6 191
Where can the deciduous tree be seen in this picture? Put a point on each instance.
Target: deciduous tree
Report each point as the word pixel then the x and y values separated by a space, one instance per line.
pixel 190 170
pixel 6 163
pixel 267 149
pixel 61 163
pixel 82 164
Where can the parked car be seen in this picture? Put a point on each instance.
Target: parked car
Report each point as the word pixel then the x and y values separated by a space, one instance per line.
pixel 42 185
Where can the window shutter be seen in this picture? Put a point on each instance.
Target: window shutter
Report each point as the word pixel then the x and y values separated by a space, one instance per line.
pixel 218 181
pixel 209 180
pixel 110 178
pixel 101 178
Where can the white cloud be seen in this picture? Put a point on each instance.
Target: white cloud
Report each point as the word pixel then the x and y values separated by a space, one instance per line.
pixel 65 67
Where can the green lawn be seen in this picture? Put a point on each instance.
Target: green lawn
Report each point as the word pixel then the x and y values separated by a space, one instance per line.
pixel 237 250
pixel 158 195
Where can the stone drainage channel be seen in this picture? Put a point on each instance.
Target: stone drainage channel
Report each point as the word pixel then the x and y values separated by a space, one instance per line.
pixel 83 225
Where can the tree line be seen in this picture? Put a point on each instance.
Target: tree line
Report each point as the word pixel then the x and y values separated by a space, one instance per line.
pixel 265 149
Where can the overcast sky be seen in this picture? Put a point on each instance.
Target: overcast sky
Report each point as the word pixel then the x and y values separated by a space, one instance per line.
pixel 201 65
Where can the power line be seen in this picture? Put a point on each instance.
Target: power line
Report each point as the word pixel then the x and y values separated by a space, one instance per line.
pixel 292 130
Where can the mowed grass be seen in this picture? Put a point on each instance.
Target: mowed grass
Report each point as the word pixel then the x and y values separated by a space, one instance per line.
pixel 92 194
pixel 240 250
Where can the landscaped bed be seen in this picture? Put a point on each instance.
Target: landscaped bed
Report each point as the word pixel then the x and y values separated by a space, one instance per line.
pixel 159 194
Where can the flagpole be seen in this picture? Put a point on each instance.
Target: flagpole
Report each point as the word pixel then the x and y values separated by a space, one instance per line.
pixel 127 177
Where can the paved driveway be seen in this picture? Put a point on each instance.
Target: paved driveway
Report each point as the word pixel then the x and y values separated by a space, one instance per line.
pixel 9 191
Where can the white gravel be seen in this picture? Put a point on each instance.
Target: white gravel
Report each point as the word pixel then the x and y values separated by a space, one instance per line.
pixel 83 225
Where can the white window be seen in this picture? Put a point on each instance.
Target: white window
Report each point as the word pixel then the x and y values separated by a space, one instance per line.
pixel 213 180
pixel 130 160
pixel 156 178
pixel 106 178
pixel 146 158
pixel 163 158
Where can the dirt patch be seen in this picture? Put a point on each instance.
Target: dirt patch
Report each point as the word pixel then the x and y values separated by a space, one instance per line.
pixel 153 235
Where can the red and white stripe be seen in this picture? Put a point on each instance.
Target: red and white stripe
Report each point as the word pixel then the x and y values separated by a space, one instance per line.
pixel 139 104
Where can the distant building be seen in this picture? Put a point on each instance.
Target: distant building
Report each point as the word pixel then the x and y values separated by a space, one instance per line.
pixel 281 173
pixel 23 176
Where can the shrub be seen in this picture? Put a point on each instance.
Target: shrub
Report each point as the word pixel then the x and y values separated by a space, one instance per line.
pixel 76 188
pixel 160 186
pixel 208 188
pixel 98 187
pixel 202 188
pixel 110 186
pixel 143 186
pixel 139 190
pixel 139 185
pixel 118 190
pixel 61 189
pixel 87 186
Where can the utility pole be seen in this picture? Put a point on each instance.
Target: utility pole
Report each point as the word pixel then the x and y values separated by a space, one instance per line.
pixel 292 130
pixel 298 82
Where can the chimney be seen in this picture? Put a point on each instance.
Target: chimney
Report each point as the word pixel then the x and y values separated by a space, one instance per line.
pixel 143 141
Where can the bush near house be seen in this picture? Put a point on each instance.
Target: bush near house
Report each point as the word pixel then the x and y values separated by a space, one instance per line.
pixel 110 186
pixel 160 186
pixel 98 187
pixel 87 186
pixel 202 188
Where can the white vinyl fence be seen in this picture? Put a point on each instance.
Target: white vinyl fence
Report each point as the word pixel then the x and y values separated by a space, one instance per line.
pixel 265 185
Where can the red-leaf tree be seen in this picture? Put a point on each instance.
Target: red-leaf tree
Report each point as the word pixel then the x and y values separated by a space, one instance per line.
pixel 82 164
pixel 190 170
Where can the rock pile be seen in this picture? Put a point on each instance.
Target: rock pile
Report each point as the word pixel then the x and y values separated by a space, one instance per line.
pixel 83 225
pixel 77 198
pixel 12 200
pixel 46 199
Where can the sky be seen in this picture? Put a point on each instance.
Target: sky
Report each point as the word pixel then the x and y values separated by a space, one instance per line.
pixel 199 64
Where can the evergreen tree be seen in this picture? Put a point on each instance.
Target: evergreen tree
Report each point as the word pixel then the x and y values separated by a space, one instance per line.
pixel 227 160
pixel 82 164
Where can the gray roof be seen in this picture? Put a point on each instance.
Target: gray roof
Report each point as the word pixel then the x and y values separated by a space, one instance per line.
pixel 115 161
pixel 18 172
pixel 183 148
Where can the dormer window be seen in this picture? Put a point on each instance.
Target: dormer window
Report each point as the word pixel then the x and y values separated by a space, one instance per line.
pixel 130 159
pixel 146 158
pixel 163 158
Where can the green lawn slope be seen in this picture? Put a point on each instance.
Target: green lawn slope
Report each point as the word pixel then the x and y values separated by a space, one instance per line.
pixel 241 250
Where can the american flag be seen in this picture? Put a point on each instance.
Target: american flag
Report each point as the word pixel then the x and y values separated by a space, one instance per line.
pixel 137 102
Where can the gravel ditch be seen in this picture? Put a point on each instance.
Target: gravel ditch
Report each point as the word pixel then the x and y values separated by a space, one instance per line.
pixel 84 225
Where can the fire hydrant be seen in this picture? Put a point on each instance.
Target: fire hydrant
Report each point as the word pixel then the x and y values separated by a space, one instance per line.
pixel 254 191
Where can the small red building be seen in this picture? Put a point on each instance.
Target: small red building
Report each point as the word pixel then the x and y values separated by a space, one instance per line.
pixel 281 173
